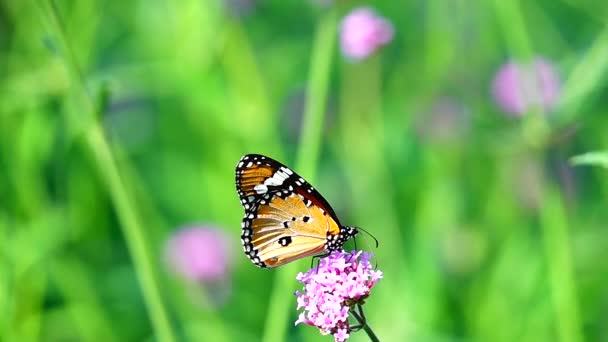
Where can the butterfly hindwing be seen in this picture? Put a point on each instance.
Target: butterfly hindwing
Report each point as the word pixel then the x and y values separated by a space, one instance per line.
pixel 285 229
pixel 285 217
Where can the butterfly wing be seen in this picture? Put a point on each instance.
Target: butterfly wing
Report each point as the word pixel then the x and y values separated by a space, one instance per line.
pixel 285 217
pixel 258 175
pixel 285 228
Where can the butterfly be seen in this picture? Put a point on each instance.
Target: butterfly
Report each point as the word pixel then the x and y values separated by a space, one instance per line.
pixel 286 219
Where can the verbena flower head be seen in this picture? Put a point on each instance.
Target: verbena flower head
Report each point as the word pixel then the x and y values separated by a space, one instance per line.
pixel 518 87
pixel 362 32
pixel 332 289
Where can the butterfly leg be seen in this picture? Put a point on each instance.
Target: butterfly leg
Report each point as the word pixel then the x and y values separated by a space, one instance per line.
pixel 318 258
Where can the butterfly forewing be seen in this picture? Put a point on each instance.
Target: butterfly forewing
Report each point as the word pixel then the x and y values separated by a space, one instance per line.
pixel 285 217
pixel 258 175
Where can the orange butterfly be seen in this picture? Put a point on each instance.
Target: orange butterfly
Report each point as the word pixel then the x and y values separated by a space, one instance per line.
pixel 286 219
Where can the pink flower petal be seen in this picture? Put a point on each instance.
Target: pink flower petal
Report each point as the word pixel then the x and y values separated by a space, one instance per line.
pixel 362 32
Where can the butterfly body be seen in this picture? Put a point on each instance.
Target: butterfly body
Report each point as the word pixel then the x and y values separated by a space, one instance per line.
pixel 285 219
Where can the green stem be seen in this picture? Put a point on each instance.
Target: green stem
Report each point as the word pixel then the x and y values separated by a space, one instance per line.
pixel 310 141
pixel 556 243
pixel 109 171
pixel 584 79
pixel 316 95
pixel 512 23
pixel 133 232
pixel 361 320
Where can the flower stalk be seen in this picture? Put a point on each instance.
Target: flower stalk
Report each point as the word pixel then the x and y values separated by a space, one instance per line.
pixel 360 317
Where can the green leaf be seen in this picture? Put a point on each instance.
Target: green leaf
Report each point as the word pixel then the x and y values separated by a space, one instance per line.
pixel 597 158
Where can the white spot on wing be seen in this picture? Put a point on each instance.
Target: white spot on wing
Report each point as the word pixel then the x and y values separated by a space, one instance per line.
pixel 273 181
pixel 261 188
pixel 278 178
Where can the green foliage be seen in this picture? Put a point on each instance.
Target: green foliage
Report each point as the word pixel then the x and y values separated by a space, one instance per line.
pixel 591 158
pixel 121 121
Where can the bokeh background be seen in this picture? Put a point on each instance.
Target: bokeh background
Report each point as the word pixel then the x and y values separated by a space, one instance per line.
pixel 445 128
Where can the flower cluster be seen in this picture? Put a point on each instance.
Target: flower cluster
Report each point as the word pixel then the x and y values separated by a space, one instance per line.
pixel 199 253
pixel 340 281
pixel 362 32
pixel 519 87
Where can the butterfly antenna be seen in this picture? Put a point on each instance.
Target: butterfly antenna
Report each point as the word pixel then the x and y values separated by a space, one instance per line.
pixel 368 233
pixel 375 240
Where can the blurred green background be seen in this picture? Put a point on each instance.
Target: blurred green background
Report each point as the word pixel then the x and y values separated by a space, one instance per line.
pixel 121 122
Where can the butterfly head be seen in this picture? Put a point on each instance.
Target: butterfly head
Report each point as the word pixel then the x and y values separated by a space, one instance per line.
pixel 336 242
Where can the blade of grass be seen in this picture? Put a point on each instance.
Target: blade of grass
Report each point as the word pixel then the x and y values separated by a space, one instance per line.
pixel 584 78
pixel 597 158
pixel 308 154
pixel 106 164
pixel 513 26
pixel 554 225
pixel 133 232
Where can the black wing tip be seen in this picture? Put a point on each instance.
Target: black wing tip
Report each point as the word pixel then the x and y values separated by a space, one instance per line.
pixel 253 156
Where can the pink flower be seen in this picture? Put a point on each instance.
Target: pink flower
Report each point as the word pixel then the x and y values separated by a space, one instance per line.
pixel 519 87
pixel 341 335
pixel 199 253
pixel 362 32
pixel 340 281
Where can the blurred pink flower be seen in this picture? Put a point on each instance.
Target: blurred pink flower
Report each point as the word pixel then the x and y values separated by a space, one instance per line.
pixel 518 87
pixel 362 32
pixel 200 253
